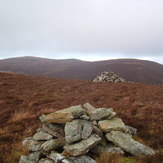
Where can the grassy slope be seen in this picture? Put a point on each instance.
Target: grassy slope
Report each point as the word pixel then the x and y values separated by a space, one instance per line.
pixel 23 98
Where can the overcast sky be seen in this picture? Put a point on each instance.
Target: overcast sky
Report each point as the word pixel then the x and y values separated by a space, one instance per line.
pixel 83 29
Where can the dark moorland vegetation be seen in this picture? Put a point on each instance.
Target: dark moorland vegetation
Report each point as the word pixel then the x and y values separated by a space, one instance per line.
pixel 23 98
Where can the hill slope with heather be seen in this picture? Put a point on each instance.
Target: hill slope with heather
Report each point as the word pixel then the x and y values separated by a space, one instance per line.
pixel 23 98
pixel 130 69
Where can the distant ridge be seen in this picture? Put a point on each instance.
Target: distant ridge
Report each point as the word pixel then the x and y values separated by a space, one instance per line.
pixel 130 69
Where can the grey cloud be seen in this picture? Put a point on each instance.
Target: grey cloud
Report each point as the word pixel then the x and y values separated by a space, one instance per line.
pixel 103 27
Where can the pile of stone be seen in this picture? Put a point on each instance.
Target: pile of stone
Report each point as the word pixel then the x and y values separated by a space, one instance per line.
pixel 108 77
pixel 72 134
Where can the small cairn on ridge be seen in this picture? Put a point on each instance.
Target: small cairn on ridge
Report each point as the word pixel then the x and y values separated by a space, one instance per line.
pixel 109 77
pixel 71 134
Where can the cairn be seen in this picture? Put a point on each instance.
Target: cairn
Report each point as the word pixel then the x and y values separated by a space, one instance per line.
pixel 109 77
pixel 71 134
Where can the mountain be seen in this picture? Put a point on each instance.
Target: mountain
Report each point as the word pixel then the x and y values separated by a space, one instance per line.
pixel 23 98
pixel 133 70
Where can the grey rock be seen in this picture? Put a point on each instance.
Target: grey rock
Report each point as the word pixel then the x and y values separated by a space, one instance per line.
pixel 88 107
pixel 25 159
pixel 56 157
pixel 35 156
pixel 34 146
pixel 84 117
pixel 67 160
pixel 64 115
pixel 127 143
pixel 107 149
pixel 101 113
pixel 113 124
pixel 73 131
pixel 87 129
pixel 131 130
pixel 42 136
pixel 55 130
pixel 45 160
pixel 83 146
pixel 27 141
pixel 82 159
pixel 53 144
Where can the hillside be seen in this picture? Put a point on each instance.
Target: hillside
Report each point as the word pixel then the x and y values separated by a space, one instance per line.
pixel 130 69
pixel 23 98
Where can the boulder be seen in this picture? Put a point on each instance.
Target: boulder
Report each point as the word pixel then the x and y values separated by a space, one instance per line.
pixel 101 113
pixel 45 160
pixel 73 131
pixel 64 115
pixel 83 146
pixel 53 144
pixel 87 129
pixel 82 159
pixel 110 149
pixel 113 124
pixel 55 130
pixel 127 143
pixel 42 136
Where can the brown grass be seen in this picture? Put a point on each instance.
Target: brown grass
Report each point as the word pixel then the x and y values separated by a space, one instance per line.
pixel 24 98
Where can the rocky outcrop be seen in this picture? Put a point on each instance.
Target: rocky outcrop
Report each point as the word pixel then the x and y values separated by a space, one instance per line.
pixel 109 77
pixel 68 135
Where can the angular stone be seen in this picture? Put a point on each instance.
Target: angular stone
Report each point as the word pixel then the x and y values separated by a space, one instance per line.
pixel 73 131
pixel 53 144
pixel 42 136
pixel 87 129
pixel 25 159
pixel 131 130
pixel 110 149
pixel 113 124
pixel 82 159
pixel 83 146
pixel 56 157
pixel 84 117
pixel 88 107
pixel 64 115
pixel 34 146
pixel 97 131
pixel 55 130
pixel 128 144
pixel 45 160
pixel 27 141
pixel 35 156
pixel 101 113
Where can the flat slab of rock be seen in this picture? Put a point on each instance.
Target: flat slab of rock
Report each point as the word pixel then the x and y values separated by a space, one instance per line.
pixel 42 136
pixel 88 107
pixel 127 143
pixel 82 159
pixel 113 124
pixel 83 146
pixel 35 156
pixel 73 131
pixel 64 115
pixel 101 113
pixel 55 130
pixel 53 144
